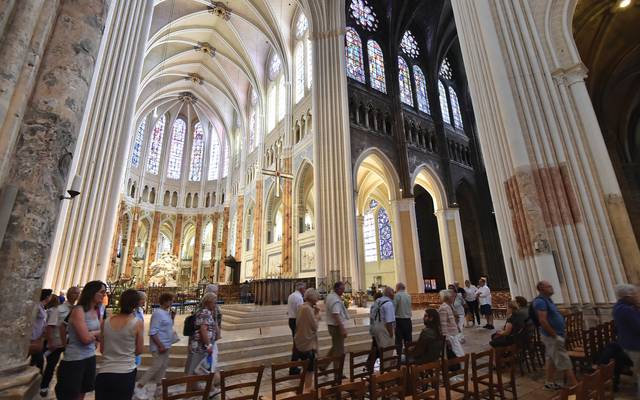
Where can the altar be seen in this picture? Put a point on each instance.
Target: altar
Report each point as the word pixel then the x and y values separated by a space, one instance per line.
pixel 276 291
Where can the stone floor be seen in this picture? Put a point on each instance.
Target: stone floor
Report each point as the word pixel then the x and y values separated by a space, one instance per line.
pixel 530 387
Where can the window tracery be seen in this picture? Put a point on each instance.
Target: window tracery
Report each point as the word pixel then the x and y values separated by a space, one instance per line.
pixel 300 69
pixel 384 235
pixel 409 45
pixel 406 95
pixel 376 66
pixel 421 89
pixel 364 14
pixel 214 158
pixel 195 171
pixel 177 148
pixel 137 143
pixel 445 69
pixel 353 49
pixel 155 147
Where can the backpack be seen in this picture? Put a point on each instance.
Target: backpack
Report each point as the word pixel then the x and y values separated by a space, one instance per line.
pixel 533 314
pixel 189 327
pixel 377 316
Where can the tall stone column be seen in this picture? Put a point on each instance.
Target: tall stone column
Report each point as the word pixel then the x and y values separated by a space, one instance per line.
pixel 225 239
pixel 87 224
pixel 359 278
pixel 116 241
pixel 454 257
pixel 153 238
pixel 257 229
pixel 214 244
pixel 287 222
pixel 38 168
pixel 332 172
pixel 195 263
pixel 133 241
pixel 406 244
pixel 177 236
pixel 239 227
pixel 548 170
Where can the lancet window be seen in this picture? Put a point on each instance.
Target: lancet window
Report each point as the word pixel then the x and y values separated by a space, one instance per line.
pixel 177 147
pixel 444 106
pixel 406 95
pixel 302 57
pixel 376 66
pixel 448 96
pixel 353 49
pixel 421 89
pixel 214 158
pixel 377 236
pixel 137 144
pixel 195 171
pixel 155 147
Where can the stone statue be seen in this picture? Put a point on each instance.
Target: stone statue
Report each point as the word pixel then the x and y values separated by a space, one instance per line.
pixel 164 271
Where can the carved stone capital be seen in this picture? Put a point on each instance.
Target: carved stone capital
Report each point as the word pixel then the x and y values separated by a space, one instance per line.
pixel 570 75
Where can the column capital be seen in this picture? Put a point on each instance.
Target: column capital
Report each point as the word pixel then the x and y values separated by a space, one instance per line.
pixel 404 204
pixel 570 75
pixel 448 213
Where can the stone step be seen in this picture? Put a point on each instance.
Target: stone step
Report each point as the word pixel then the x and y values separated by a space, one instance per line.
pixel 256 322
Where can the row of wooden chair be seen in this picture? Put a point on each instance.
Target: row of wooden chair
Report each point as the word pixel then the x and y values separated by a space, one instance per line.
pixel 595 386
pixel 591 344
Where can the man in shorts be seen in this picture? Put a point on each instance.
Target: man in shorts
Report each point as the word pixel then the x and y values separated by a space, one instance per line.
pixel 484 298
pixel 552 334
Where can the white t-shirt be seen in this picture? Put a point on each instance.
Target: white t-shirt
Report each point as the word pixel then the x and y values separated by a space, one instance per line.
pixel 334 305
pixel 470 293
pixel 294 302
pixel 485 295
pixel 52 320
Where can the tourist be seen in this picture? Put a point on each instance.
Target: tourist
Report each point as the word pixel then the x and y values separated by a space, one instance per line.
pixel 202 340
pixel 36 348
pixel 448 322
pixel 626 315
pixel 523 309
pixel 512 328
pixel 552 335
pixel 77 371
pixel 121 341
pixel 161 337
pixel 61 297
pixel 458 310
pixel 53 344
pixel 382 321
pixel 484 298
pixel 336 317
pixel 294 301
pixel 374 353
pixel 306 337
pixel 402 304
pixel 470 292
pixel 58 338
pixel 138 313
pixel 213 288
pixel 429 345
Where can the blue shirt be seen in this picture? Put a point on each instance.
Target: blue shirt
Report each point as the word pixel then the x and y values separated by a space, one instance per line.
pixel 162 326
pixel 627 320
pixel 556 320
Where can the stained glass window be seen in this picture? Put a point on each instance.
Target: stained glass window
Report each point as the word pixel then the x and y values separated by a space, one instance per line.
pixel 225 163
pixel 369 237
pixel 214 158
pixel 309 65
pixel 277 225
pixel 445 70
pixel 455 108
pixel 299 66
pixel 252 129
pixel 384 234
pixel 271 108
pixel 409 45
pixel 364 15
pixel 155 147
pixel 406 95
pixel 421 89
pixel 301 25
pixel 137 143
pixel 376 66
pixel 195 171
pixel 282 104
pixel 444 107
pixel 254 97
pixel 353 49
pixel 274 67
pixel 177 147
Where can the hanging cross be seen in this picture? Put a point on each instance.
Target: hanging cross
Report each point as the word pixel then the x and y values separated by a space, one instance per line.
pixel 278 175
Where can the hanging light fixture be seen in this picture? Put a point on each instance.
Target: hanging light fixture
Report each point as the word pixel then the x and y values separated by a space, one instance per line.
pixel 624 3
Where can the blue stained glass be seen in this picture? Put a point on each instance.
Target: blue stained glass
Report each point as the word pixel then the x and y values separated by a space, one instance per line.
pixel 177 147
pixel 195 171
pixel 252 129
pixel 369 237
pixel 214 158
pixel 376 66
pixel 353 49
pixel 409 45
pixel 444 106
pixel 421 89
pixel 384 232
pixel 406 95
pixel 455 108
pixel 299 69
pixel 137 143
pixel 155 147
pixel 301 25
pixel 364 15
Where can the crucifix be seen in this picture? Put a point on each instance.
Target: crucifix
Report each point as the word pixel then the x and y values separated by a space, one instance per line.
pixel 277 174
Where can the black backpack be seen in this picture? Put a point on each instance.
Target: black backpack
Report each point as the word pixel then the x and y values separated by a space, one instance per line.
pixel 533 314
pixel 377 316
pixel 189 327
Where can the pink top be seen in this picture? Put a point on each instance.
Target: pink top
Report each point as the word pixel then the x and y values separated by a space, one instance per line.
pixel 447 320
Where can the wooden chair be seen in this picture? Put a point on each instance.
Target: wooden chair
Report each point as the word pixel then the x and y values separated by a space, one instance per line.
pixel 226 386
pixel 192 383
pixel 590 385
pixel 482 365
pixel 463 373
pixel 389 361
pixel 424 380
pixel 526 349
pixel 288 383
pixel 322 370
pixel 360 365
pixel 605 385
pixel 576 392
pixel 346 391
pixel 312 395
pixel 389 384
pixel 583 357
pixel 505 367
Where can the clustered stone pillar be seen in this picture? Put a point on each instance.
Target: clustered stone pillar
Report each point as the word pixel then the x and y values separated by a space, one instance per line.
pixel 548 170
pixel 153 241
pixel 223 249
pixel 239 225
pixel 177 236
pixel 452 245
pixel 257 230
pixel 37 163
pixel 214 244
pixel 195 263
pixel 82 244
pixel 332 172
pixel 287 237
pixel 406 246
pixel 133 239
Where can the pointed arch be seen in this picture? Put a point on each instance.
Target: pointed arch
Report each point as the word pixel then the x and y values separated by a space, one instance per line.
pixel 427 178
pixel 353 50
pixel 178 133
pixel 155 146
pixel 404 77
pixel 377 78
pixel 197 149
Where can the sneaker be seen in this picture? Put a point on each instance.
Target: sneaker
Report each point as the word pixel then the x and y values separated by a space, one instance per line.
pixel 140 393
pixel 552 386
pixel 44 392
